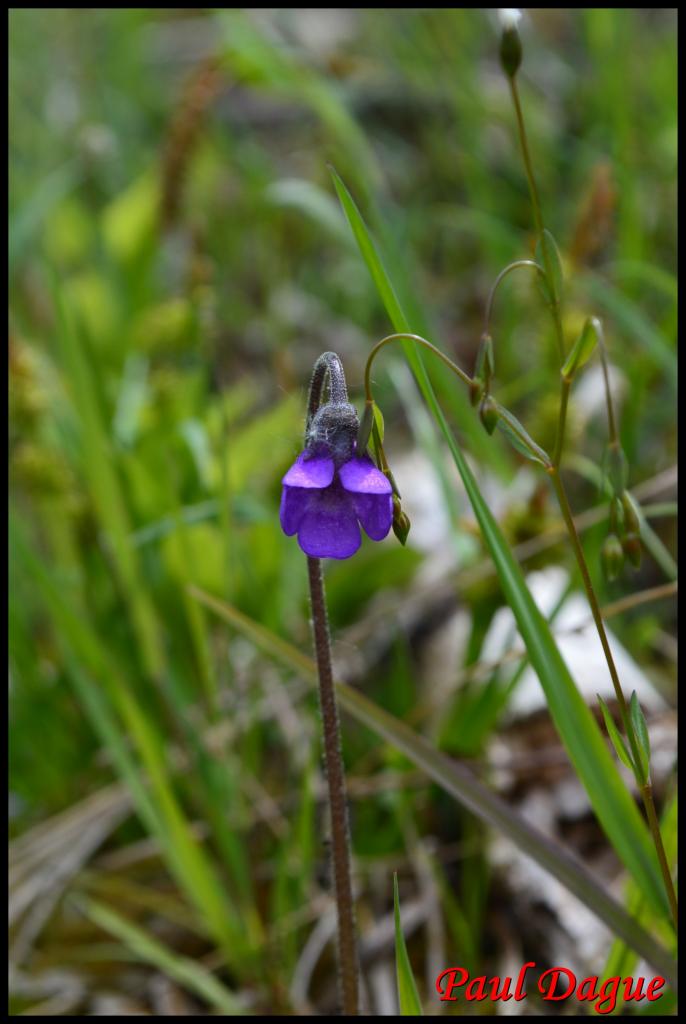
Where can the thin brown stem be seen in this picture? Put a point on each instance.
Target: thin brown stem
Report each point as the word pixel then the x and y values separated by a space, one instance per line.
pixel 611 423
pixel 335 775
pixel 654 823
pixel 501 277
pixel 538 216
pixel 464 377
pixel 561 420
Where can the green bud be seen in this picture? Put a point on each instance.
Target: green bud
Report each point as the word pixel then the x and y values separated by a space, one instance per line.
pixel 488 411
pixel 485 360
pixel 616 467
pixel 631 545
pixel 630 509
pixel 365 428
pixel 582 349
pixel 510 43
pixel 612 556
pixel 548 257
pixel 401 521
pixel 616 515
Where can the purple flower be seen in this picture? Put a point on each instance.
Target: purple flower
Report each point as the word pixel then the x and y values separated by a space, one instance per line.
pixel 324 504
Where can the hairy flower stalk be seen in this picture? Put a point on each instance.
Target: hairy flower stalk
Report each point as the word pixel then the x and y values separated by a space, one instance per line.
pixel 324 494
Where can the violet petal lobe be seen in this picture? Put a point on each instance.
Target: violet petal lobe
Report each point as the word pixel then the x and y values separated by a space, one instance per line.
pixel 375 512
pixel 329 528
pixel 311 471
pixel 360 476
pixel 294 503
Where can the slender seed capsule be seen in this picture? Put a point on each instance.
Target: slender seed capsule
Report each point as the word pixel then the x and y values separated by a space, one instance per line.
pixel 631 520
pixel 616 467
pixel 401 521
pixel 488 412
pixel 631 545
pixel 510 43
pixel 485 360
pixel 612 556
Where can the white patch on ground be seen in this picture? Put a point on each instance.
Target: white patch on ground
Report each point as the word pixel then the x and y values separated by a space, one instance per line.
pixel 582 651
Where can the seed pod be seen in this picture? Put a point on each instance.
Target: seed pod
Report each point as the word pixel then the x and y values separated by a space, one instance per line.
pixel 616 515
pixel 488 412
pixel 401 521
pixel 616 467
pixel 485 360
pixel 510 43
pixel 631 520
pixel 612 556
pixel 631 545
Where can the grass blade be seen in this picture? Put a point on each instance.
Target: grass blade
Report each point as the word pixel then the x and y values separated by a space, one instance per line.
pixel 189 973
pixel 408 997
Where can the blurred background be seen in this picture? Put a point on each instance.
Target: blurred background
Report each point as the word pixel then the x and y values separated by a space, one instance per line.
pixel 178 260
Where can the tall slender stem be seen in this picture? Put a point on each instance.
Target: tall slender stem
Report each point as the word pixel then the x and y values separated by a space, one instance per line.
pixel 538 216
pixel 654 823
pixel 554 471
pixel 328 370
pixel 501 277
pixel 561 420
pixel 645 788
pixel 404 336
pixel 335 775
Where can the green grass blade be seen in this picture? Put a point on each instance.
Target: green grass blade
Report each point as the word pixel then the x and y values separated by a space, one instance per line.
pixel 459 782
pixel 189 973
pixel 578 730
pixel 103 482
pixel 408 997
pixel 186 858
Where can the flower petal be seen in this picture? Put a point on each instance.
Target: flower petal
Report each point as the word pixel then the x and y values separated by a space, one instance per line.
pixel 294 502
pixel 360 476
pixel 310 471
pixel 329 529
pixel 375 512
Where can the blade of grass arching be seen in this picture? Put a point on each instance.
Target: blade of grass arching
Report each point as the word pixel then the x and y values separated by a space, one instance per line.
pixel 408 997
pixel 457 780
pixel 389 295
pixel 103 482
pixel 392 252
pixel 189 973
pixel 186 858
pixel 580 734
pixel 399 320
